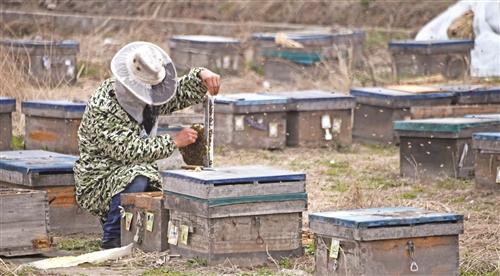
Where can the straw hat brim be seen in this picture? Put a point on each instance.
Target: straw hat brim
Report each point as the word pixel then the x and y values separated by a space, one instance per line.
pixel 150 94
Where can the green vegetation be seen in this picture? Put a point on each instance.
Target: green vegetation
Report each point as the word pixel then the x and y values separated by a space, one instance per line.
pixel 164 272
pixel 17 142
pixel 454 184
pixel 409 195
pixel 310 249
pixel 74 244
pixel 197 262
pixel 285 262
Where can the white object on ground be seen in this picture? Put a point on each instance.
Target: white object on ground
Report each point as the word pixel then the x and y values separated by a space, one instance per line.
pixel 485 57
pixel 93 257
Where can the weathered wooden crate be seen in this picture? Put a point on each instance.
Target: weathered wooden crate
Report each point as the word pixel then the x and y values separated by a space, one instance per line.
pixel 318 118
pixel 250 120
pixel 51 172
pixel 386 241
pixel 240 214
pixel 44 121
pixel 440 111
pixel 145 221
pixel 477 94
pixel 24 222
pixel 413 58
pixel 46 63
pixel 377 108
pixel 7 106
pixel 222 54
pixel 487 163
pixel 439 148
pixel 286 64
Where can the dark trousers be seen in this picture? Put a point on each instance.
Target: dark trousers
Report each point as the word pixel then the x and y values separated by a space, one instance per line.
pixel 111 228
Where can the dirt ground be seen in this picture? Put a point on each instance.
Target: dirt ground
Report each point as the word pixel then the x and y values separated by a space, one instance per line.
pixel 352 177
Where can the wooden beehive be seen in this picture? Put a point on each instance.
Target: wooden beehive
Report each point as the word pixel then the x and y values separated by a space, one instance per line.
pixel 320 47
pixel 386 241
pixel 240 214
pixel 7 106
pixel 45 120
pixel 51 172
pixel 318 118
pixel 377 108
pixel 221 54
pixel 478 94
pixel 487 163
pixel 249 120
pixel 145 221
pixel 412 58
pixel 24 222
pixel 440 147
pixel 46 63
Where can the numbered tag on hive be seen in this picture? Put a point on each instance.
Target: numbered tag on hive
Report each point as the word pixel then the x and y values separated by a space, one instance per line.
pixel 184 234
pixel 273 130
pixel 173 234
pixel 150 219
pixel 334 249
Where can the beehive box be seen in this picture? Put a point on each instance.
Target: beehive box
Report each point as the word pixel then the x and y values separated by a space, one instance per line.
pixel 487 163
pixel 46 63
pixel 386 241
pixel 318 118
pixel 51 172
pixel 441 147
pixel 477 94
pixel 44 121
pixel 221 54
pixel 240 214
pixel 145 221
pixel 24 222
pixel 250 120
pixel 412 58
pixel 7 106
pixel 285 64
pixel 377 108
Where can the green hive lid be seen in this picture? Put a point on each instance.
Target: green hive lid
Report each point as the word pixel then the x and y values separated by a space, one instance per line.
pixel 443 124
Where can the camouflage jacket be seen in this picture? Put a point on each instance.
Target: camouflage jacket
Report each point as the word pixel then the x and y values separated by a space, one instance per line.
pixel 112 151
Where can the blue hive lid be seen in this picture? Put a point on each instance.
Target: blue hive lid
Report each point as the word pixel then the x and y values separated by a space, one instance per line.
pixel 40 43
pixel 36 161
pixel 55 105
pixel 488 136
pixel 237 175
pixel 204 39
pixel 443 124
pixel 495 116
pixel 313 95
pixel 384 93
pixel 383 217
pixel 250 99
pixel 296 36
pixel 429 43
pixel 7 101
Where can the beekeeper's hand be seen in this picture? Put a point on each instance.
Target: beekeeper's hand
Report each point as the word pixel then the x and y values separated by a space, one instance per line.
pixel 185 137
pixel 211 81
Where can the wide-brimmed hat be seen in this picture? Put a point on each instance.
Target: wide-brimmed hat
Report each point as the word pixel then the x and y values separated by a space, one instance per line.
pixel 146 71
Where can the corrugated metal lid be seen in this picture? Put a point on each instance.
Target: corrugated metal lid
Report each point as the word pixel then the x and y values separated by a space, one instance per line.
pixel 443 124
pixel 250 99
pixel 36 161
pixel 59 105
pixel 237 175
pixel 205 39
pixel 383 217
pixel 429 43
pixel 489 136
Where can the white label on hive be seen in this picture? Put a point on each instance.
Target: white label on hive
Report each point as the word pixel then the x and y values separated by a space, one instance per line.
pixel 184 234
pixel 46 62
pixel 173 233
pixel 226 62
pixel 150 219
pixel 273 130
pixel 239 123
pixel 334 249
pixel 498 175
pixel 337 125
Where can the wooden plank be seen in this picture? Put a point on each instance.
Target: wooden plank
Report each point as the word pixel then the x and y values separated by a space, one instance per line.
pixel 440 111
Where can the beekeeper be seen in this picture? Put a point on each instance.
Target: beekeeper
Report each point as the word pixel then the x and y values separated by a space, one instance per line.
pixel 117 135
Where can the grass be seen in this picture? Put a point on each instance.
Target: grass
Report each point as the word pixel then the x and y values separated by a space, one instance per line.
pixel 310 249
pixel 285 262
pixel 79 244
pixel 453 184
pixel 17 142
pixel 197 262
pixel 164 272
